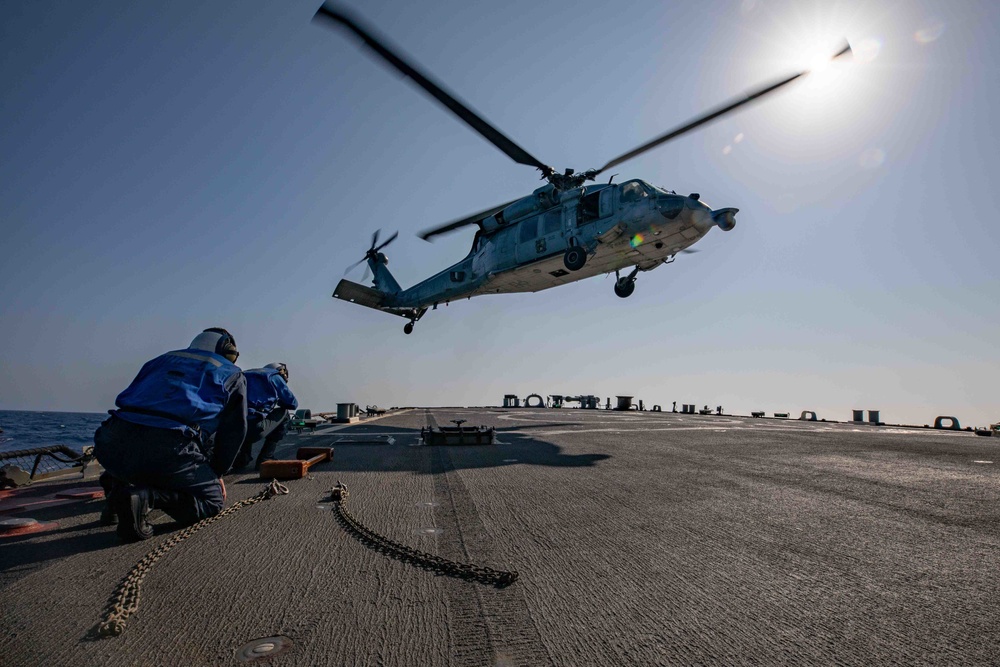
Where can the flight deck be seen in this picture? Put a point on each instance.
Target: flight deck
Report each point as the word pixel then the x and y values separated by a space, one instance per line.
pixel 637 538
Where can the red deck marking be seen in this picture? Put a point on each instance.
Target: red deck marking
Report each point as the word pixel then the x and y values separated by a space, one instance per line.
pixel 24 526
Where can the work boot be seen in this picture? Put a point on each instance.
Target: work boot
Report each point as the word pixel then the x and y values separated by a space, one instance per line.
pixel 132 506
pixel 108 516
pixel 241 462
pixel 110 485
pixel 267 452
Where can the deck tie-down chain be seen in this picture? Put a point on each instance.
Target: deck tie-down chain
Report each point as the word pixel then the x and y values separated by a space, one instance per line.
pixel 369 537
pixel 125 600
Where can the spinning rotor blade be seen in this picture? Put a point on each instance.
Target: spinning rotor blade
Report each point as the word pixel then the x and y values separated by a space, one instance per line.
pixel 493 135
pixel 353 266
pixel 710 116
pixel 468 220
pixel 373 250
pixel 384 243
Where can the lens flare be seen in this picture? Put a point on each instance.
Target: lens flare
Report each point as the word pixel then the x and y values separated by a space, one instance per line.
pixel 930 33
pixel 636 241
pixel 866 50
pixel 871 158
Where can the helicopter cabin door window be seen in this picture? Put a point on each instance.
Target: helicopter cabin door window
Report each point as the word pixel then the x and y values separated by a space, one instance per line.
pixel 551 222
pixel 607 205
pixel 551 239
pixel 540 236
pixel 527 230
pixel 596 205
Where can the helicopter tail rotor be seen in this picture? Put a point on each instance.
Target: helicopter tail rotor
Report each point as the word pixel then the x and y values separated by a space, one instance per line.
pixel 373 251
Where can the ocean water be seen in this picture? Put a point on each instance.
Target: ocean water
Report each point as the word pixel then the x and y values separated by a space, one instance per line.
pixel 26 430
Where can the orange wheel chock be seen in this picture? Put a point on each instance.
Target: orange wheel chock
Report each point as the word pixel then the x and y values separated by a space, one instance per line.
pixel 305 458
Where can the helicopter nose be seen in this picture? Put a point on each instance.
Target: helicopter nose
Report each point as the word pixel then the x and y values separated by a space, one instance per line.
pixel 700 214
pixel 725 218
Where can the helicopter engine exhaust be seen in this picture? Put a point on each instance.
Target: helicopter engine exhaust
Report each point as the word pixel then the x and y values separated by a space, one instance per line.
pixel 725 218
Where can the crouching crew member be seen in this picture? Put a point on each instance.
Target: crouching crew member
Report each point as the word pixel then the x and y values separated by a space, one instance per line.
pixel 176 431
pixel 268 401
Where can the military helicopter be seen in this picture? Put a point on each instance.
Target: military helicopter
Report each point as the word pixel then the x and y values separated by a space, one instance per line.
pixel 562 232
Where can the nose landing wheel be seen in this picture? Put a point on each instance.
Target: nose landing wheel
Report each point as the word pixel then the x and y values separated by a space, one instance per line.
pixel 408 329
pixel 624 287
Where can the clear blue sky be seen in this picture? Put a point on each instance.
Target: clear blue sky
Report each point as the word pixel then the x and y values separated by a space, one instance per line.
pixel 173 166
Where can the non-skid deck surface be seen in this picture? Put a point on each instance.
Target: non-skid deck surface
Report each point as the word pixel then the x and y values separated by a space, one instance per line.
pixel 639 539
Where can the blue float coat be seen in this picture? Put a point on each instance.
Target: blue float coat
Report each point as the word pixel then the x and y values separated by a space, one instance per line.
pixel 267 391
pixel 193 391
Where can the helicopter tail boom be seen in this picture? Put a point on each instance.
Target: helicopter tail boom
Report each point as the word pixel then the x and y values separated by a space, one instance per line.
pixel 372 298
pixel 359 294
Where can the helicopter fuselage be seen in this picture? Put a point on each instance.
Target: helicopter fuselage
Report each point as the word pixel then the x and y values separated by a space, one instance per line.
pixel 632 225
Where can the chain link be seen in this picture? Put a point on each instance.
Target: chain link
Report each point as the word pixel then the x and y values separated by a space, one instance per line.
pixel 125 600
pixel 369 537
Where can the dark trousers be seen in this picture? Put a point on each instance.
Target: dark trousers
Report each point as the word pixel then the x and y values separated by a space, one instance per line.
pixel 169 463
pixel 270 429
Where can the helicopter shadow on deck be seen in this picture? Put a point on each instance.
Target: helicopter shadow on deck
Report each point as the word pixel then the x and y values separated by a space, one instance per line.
pixel 367 450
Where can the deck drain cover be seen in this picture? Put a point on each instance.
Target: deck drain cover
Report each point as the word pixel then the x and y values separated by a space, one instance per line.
pixel 266 647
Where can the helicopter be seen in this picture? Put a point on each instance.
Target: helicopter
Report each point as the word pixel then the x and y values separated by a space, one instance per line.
pixel 564 231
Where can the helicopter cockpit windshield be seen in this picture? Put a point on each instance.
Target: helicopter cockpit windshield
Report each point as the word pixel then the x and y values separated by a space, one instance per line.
pixel 633 191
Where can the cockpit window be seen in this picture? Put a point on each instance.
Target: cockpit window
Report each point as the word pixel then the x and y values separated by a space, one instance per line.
pixel 633 191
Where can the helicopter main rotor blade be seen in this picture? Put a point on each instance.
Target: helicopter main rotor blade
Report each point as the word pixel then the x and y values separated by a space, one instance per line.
pixel 462 222
pixel 493 135
pixel 710 116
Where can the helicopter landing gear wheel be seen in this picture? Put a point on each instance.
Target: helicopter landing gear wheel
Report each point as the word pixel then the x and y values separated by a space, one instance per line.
pixel 408 329
pixel 624 287
pixel 575 258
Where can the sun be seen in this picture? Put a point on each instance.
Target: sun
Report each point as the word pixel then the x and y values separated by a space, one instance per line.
pixel 836 46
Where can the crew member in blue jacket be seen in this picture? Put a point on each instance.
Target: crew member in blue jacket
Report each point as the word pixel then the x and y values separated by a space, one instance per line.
pixel 268 401
pixel 176 431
